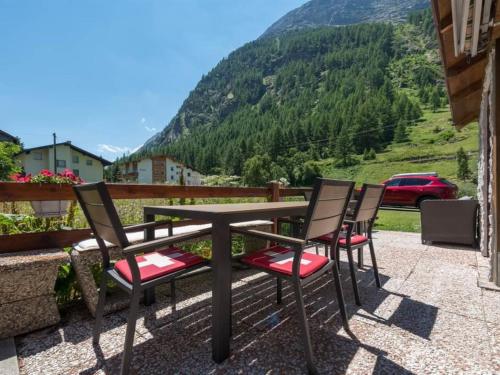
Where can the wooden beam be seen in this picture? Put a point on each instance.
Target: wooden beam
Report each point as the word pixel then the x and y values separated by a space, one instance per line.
pixel 446 23
pixel 12 192
pixel 460 123
pixel 495 252
pixel 465 64
pixel 58 239
pixel 44 240
pixel 294 192
pixel 467 91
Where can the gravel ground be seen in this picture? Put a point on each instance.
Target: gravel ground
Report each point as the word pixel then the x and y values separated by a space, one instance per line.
pixel 430 317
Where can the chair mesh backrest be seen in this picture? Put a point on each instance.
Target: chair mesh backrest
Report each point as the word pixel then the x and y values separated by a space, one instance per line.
pixel 369 202
pixel 101 214
pixel 327 207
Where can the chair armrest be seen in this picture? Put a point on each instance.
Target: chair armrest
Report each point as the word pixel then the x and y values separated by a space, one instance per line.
pixel 152 224
pixel 148 246
pixel 347 221
pixel 269 236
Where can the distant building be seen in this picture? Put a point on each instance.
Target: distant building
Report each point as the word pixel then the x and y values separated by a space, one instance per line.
pixel 160 170
pixel 83 163
pixel 6 137
pixel 128 172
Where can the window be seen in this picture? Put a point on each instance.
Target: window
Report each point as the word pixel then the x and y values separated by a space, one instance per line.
pixel 414 182
pixel 89 162
pixel 76 172
pixel 189 174
pixel 171 177
pixel 61 163
pixel 446 182
pixel 37 156
pixel 171 169
pixel 393 182
pixel 76 159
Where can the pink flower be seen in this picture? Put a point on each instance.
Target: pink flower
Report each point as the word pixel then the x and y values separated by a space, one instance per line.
pixel 46 172
pixel 26 179
pixel 17 177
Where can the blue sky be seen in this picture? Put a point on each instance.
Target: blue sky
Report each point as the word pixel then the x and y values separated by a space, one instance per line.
pixel 108 74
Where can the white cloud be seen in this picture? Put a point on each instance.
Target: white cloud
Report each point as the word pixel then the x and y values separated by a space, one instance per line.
pixel 151 130
pixel 143 120
pixel 117 149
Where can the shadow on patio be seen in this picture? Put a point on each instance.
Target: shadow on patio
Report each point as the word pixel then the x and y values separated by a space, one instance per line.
pixel 428 312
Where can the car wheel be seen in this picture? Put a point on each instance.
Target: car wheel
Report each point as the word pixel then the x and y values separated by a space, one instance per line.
pixel 424 198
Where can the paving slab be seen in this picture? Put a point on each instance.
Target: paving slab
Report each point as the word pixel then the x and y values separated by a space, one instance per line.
pixel 429 317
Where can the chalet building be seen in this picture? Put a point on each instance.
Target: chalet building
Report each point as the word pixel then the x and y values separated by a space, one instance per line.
pixel 129 172
pixel 83 163
pixel 161 170
pixel 6 137
pixel 469 40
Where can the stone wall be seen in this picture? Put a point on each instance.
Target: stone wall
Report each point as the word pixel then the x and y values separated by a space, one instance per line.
pixel 27 281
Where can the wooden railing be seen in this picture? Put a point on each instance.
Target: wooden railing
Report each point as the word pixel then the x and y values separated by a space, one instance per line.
pixel 15 192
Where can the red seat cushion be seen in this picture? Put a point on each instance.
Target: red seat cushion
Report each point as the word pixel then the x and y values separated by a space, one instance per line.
pixel 280 259
pixel 159 263
pixel 355 239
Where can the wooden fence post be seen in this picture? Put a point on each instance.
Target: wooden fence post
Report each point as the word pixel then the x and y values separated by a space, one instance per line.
pixel 274 196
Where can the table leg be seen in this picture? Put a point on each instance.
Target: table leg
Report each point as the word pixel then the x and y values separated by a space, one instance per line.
pixel 221 290
pixel 149 234
pixel 295 226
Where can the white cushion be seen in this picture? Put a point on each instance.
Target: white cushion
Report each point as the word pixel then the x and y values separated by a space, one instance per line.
pixel 136 237
pixel 253 223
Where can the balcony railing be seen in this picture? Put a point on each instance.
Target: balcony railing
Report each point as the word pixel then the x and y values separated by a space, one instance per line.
pixel 14 192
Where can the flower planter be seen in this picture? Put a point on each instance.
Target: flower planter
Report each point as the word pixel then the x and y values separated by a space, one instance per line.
pixel 50 208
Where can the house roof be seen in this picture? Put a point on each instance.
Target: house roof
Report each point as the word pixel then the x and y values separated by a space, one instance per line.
pixel 464 75
pixel 7 135
pixel 81 150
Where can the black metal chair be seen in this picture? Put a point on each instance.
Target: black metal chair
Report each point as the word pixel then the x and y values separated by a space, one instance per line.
pixel 325 214
pixel 146 264
pixel 365 212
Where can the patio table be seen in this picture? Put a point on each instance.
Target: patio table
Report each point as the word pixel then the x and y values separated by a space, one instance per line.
pixel 221 216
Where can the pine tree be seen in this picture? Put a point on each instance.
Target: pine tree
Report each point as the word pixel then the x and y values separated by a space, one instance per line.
pixel 344 149
pixel 400 132
pixel 463 171
pixel 435 100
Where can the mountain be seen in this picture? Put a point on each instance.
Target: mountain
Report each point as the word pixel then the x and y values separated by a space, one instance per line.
pixel 312 14
pixel 281 104
pixel 317 13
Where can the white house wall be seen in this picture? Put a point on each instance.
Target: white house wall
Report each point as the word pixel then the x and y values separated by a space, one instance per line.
pixel 145 171
pixel 89 173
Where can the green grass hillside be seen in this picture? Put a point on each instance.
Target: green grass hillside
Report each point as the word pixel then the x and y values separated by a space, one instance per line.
pixel 432 147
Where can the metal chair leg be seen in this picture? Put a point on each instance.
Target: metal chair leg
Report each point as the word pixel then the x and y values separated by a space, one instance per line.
pixel 305 328
pixel 317 250
pixel 340 296
pixel 353 277
pixel 279 290
pixel 374 263
pixel 337 256
pixel 129 336
pixel 100 308
pixel 361 262
pixel 173 298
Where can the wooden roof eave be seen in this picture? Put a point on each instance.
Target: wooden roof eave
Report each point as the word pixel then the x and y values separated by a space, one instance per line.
pixel 464 76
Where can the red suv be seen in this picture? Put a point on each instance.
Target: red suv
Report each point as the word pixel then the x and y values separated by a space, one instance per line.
pixel 413 189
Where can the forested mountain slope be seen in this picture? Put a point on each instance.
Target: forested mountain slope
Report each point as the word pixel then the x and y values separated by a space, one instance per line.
pixel 344 12
pixel 308 95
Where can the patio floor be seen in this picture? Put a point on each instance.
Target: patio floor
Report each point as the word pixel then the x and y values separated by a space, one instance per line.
pixel 430 317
